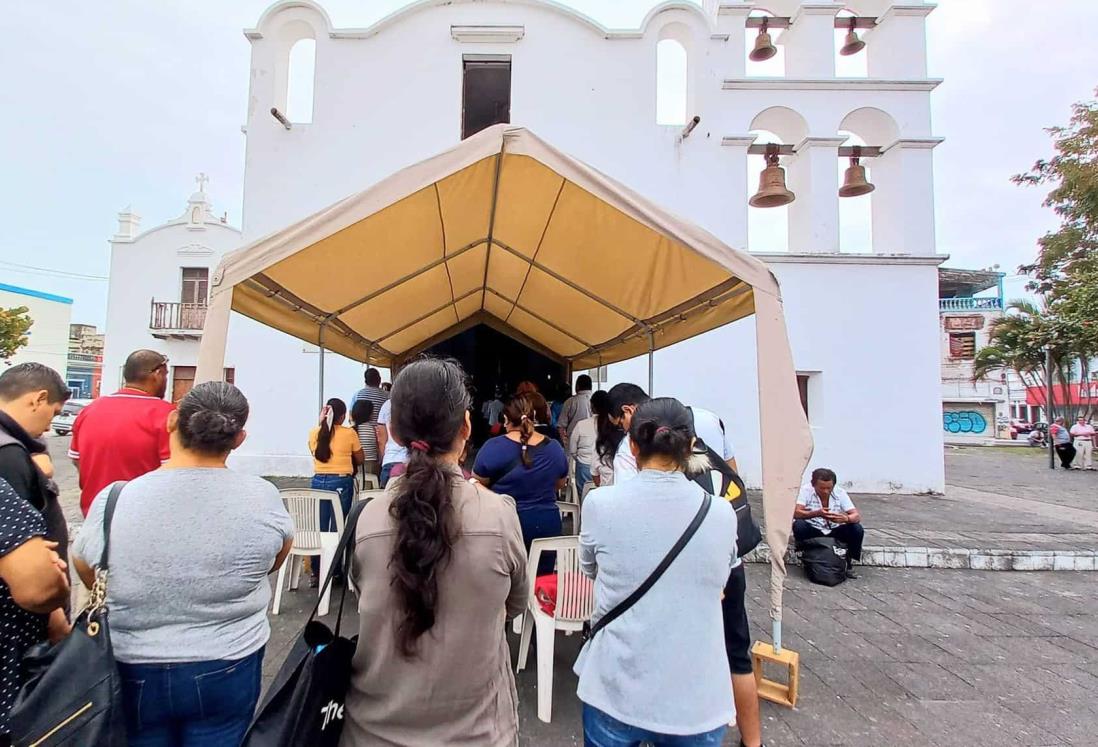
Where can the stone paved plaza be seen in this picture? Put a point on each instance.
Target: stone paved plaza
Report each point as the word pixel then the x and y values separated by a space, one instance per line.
pixel 901 656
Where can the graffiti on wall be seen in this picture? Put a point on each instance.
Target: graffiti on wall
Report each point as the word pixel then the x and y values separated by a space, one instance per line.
pixel 963 421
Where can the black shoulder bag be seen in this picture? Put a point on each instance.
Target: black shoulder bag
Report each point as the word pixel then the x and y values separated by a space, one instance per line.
pixel 727 484
pixel 722 480
pixel 589 630
pixel 72 692
pixel 305 703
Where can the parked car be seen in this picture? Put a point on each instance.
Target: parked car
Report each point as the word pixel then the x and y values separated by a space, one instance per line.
pixel 62 424
pixel 1019 427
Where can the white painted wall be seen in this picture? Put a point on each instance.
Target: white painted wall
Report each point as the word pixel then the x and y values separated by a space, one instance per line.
pixel 48 339
pixel 147 266
pixel 860 327
pixel 390 95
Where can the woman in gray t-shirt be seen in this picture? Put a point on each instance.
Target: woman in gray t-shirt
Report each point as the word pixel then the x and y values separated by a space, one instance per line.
pixel 658 673
pixel 192 545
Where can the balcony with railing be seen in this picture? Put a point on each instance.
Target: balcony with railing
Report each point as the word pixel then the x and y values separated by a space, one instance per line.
pixel 181 321
pixel 987 303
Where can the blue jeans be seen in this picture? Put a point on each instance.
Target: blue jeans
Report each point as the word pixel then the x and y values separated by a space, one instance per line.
pixel 541 521
pixel 196 704
pixel 386 470
pixel 345 486
pixel 603 730
pixel 583 476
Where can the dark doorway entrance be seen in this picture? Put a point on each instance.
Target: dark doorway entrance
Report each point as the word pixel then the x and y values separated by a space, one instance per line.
pixel 486 92
pixel 494 360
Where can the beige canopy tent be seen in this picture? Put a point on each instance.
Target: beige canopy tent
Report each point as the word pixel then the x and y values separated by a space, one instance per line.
pixel 505 230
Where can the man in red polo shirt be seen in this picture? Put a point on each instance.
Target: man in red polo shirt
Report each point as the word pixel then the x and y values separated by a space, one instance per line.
pixel 123 435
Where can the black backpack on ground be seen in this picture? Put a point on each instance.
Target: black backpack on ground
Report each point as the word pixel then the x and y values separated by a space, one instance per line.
pixel 822 563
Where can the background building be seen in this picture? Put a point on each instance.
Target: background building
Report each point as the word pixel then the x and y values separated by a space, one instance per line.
pixel 48 339
pixel 85 365
pixel 159 286
pixel 354 106
pixel 855 318
pixel 1070 400
pixel 972 411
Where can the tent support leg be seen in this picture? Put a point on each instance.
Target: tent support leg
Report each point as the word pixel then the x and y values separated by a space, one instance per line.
pixel 320 366
pixel 776 635
pixel 651 364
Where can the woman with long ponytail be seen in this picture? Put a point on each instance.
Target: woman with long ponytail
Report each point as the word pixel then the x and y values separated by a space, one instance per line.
pixel 440 566
pixel 528 466
pixel 337 453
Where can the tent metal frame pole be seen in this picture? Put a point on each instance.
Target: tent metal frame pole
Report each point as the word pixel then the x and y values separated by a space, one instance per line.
pixel 1050 400
pixel 776 635
pixel 651 363
pixel 320 366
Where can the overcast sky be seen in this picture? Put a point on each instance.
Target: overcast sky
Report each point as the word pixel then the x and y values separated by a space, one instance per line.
pixel 120 102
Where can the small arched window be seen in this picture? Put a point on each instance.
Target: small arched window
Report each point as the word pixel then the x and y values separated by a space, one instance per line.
pixel 300 80
pixel 672 83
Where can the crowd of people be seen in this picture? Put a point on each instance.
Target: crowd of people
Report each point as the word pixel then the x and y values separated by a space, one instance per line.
pixel 1080 441
pixel 192 546
pixel 441 554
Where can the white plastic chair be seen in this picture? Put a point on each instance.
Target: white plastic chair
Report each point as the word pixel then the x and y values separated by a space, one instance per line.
pixel 568 508
pixel 575 604
pixel 303 506
pixel 568 501
pixel 587 488
pixel 370 481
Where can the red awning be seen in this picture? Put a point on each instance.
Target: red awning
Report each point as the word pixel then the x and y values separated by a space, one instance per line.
pixel 1073 394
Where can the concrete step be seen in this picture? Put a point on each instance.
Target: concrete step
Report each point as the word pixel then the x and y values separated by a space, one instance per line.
pixel 975 559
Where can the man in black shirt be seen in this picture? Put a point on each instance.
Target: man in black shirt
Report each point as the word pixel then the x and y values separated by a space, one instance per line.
pixel 33 577
pixel 31 396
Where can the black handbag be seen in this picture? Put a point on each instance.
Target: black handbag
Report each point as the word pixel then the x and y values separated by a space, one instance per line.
pixel 623 606
pixel 72 693
pixel 305 703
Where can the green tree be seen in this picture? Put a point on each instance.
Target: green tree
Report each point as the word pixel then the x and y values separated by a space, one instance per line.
pixel 14 325
pixel 1017 341
pixel 1065 273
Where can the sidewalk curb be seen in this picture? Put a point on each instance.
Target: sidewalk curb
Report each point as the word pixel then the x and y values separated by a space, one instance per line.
pixel 959 558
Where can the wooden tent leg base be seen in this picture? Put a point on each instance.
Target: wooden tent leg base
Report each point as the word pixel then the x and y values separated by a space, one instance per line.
pixel 776 692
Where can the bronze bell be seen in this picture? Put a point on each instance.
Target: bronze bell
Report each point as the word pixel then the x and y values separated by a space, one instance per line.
pixel 854 182
pixel 851 44
pixel 772 190
pixel 764 47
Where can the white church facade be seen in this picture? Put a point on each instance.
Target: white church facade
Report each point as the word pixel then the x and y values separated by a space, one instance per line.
pixel 159 285
pixel 863 324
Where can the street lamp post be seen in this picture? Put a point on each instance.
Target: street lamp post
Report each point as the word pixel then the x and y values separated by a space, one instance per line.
pixel 1048 406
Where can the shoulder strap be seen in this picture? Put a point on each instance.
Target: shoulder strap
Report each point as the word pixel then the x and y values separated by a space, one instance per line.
pixel 635 597
pixel 108 517
pixel 343 549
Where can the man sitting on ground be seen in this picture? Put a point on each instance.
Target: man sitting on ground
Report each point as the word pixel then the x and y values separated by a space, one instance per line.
pixel 824 509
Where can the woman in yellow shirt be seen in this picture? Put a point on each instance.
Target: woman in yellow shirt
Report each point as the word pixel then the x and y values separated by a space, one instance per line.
pixel 337 453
